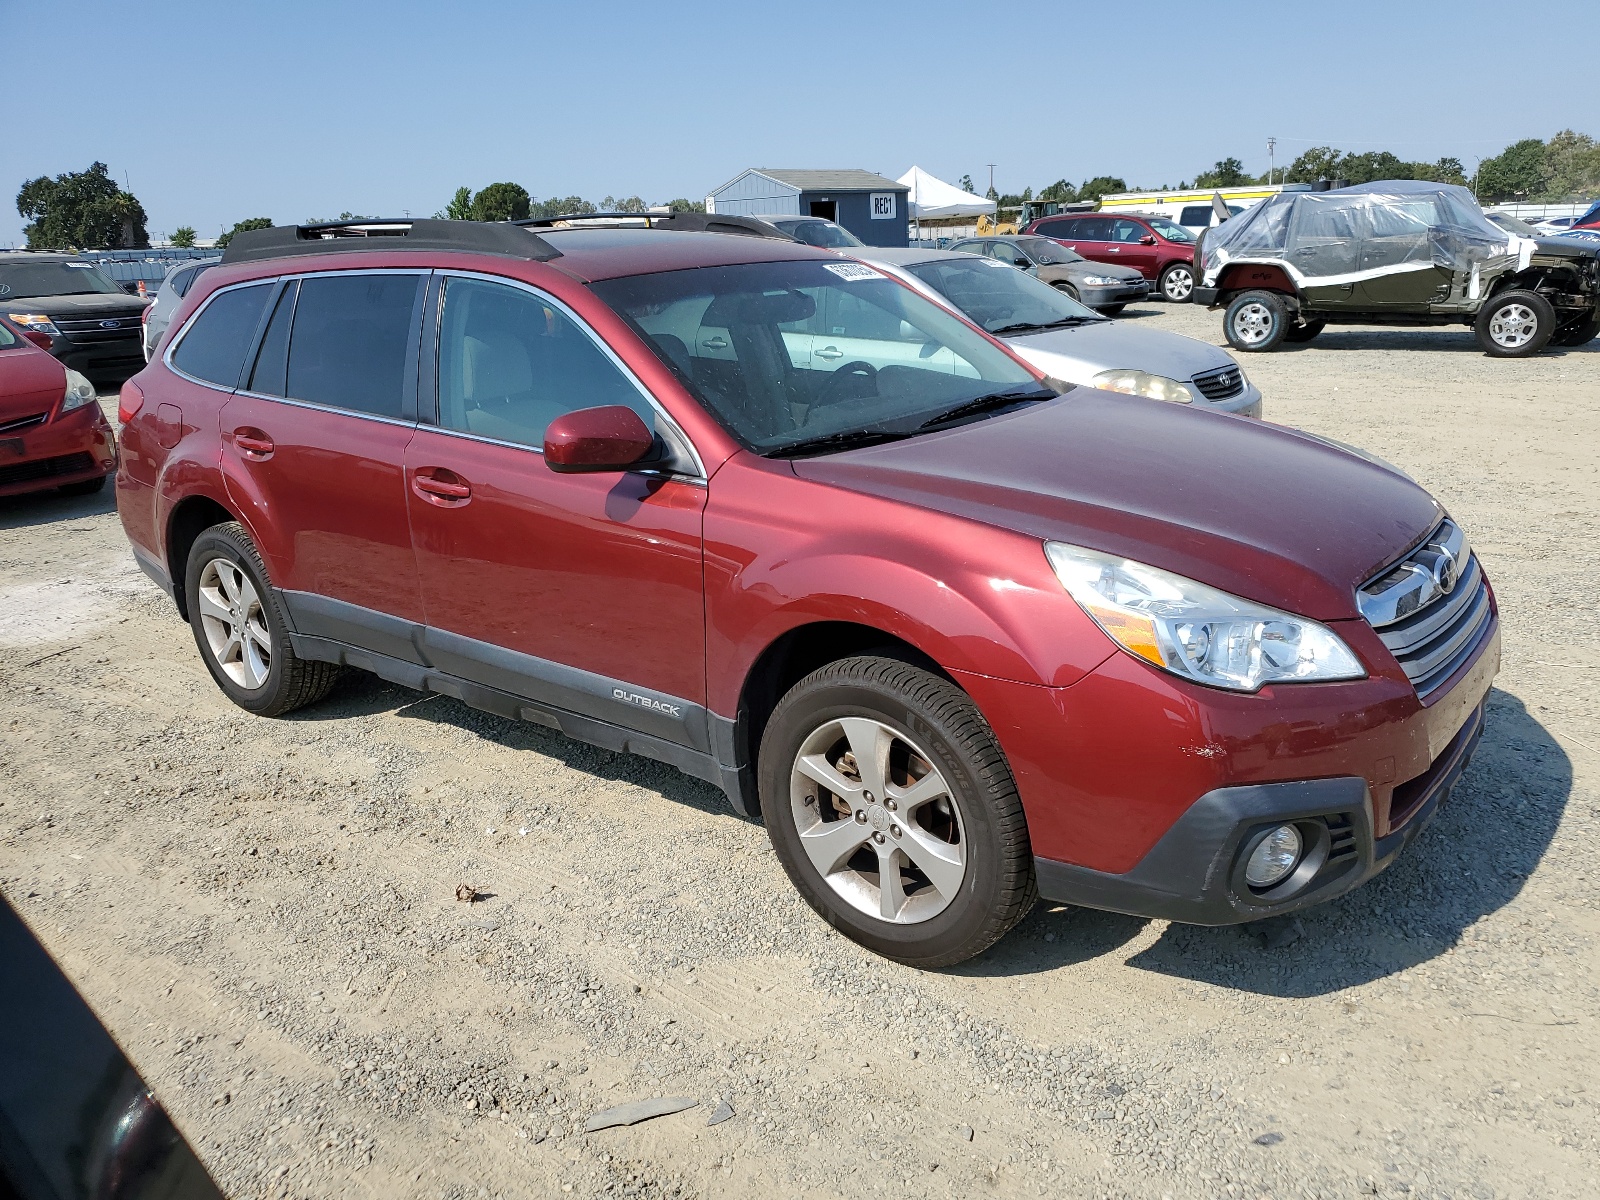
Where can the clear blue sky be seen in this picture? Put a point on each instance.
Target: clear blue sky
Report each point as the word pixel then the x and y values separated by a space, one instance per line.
pixel 219 111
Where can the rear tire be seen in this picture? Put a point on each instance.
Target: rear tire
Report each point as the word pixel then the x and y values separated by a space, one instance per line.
pixel 1304 331
pixel 1579 333
pixel 84 487
pixel 1256 321
pixel 1177 283
pixel 240 628
pixel 935 804
pixel 1515 324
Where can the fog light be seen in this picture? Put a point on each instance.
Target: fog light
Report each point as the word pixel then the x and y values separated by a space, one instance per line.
pixel 1274 858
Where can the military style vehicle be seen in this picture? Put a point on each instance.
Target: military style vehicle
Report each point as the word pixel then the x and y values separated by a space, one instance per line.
pixel 1397 252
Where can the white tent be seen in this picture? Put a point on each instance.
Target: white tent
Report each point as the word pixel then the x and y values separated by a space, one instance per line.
pixel 933 199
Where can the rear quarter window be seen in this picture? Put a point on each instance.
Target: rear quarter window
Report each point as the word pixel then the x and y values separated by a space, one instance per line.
pixel 215 343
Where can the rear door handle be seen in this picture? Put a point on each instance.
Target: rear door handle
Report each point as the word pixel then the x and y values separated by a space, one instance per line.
pixel 829 352
pixel 253 444
pixel 441 486
pixel 715 343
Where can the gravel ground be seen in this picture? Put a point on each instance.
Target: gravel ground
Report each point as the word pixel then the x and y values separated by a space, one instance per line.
pixel 264 913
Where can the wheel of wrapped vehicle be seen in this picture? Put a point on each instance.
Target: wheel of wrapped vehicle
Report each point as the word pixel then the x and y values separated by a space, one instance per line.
pixel 894 812
pixel 1304 331
pixel 240 628
pixel 1256 320
pixel 1177 283
pixel 1579 333
pixel 1515 324
pixel 1067 288
pixel 84 487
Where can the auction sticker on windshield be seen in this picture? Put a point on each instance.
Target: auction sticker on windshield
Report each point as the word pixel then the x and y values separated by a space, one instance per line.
pixel 852 271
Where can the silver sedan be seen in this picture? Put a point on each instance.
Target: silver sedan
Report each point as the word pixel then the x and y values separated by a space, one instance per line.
pixel 1064 339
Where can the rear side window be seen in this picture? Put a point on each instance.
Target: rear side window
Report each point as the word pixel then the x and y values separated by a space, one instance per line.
pixel 1094 229
pixel 214 346
pixel 267 378
pixel 1058 229
pixel 350 341
pixel 184 280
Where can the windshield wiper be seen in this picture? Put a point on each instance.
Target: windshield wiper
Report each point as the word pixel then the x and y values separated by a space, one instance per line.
pixel 986 403
pixel 1030 326
pixel 849 439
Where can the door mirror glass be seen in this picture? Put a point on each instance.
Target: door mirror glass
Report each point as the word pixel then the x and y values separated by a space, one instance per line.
pixel 609 438
pixel 1148 240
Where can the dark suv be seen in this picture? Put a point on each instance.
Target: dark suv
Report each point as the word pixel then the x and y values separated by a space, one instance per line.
pixel 960 635
pixel 1160 250
pixel 93 325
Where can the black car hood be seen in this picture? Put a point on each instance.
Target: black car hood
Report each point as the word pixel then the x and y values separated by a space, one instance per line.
pixel 1256 509
pixel 1567 247
pixel 110 304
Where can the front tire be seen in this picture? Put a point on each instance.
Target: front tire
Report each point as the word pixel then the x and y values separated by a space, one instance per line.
pixel 1177 283
pixel 1515 324
pixel 1256 321
pixel 1068 289
pixel 894 813
pixel 1304 331
pixel 241 631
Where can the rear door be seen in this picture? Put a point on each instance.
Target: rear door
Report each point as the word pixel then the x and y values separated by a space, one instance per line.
pixel 1325 249
pixel 1128 248
pixel 581 592
pixel 1093 239
pixel 314 444
pixel 1396 243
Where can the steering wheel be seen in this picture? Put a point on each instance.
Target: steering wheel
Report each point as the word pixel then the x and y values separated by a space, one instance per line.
pixel 862 374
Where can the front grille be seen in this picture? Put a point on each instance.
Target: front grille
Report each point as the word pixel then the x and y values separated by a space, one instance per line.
pixel 88 328
pixel 1221 383
pixel 45 468
pixel 21 423
pixel 1431 609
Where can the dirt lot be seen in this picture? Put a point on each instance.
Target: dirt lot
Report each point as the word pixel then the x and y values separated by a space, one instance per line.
pixel 264 913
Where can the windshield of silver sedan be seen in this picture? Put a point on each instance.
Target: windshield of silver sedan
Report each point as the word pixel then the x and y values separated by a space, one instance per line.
pixel 1002 300
pixel 808 357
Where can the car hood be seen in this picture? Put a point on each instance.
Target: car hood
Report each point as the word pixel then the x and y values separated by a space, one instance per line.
pixel 1256 509
pixel 31 382
pixel 1079 352
pixel 106 304
pixel 1075 272
pixel 1568 246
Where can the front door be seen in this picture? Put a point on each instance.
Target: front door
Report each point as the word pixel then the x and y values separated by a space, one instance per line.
pixel 313 442
pixel 581 592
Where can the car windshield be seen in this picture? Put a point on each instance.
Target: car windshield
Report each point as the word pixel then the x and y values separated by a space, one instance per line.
pixel 58 278
pixel 1170 230
pixel 795 355
pixel 1043 250
pixel 1512 225
pixel 822 233
pixel 1000 299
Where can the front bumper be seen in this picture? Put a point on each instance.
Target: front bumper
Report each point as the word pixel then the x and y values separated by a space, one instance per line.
pixel 70 449
pixel 1123 293
pixel 1193 874
pixel 113 354
pixel 1204 295
pixel 1246 404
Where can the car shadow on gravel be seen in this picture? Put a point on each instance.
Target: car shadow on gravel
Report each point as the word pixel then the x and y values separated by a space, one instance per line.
pixel 1470 862
pixel 361 694
pixel 45 508
pixel 1450 340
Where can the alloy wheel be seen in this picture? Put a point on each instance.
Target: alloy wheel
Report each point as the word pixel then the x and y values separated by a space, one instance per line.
pixel 1252 323
pixel 1513 326
pixel 1179 283
pixel 235 624
pixel 878 821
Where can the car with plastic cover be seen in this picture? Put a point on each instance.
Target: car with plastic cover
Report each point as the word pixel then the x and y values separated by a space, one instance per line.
pixel 1396 252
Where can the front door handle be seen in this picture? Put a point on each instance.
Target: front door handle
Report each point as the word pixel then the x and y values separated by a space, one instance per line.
pixel 715 343
pixel 441 486
pixel 253 443
pixel 829 352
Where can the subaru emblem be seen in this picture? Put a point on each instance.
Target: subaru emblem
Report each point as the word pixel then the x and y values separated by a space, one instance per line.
pixel 110 324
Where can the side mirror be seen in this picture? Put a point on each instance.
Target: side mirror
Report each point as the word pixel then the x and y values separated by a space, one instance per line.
pixel 39 339
pixel 610 438
pixel 1148 239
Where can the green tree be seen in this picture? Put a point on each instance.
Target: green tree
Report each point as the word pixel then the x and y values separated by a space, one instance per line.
pixel 183 237
pixel 966 185
pixel 1319 162
pixel 82 210
pixel 631 205
pixel 1101 185
pixel 1227 173
pixel 1521 169
pixel 1573 161
pixel 570 206
pixel 501 202
pixel 244 226
pixel 459 208
pixel 682 205
pixel 1060 191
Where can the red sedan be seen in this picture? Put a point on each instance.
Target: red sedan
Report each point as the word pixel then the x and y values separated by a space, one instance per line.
pixel 52 432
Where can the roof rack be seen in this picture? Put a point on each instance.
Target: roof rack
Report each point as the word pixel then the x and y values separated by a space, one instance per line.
pixel 691 222
pixel 395 233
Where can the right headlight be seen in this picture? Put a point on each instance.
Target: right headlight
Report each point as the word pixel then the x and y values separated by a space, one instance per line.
pixel 79 392
pixel 1196 631
pixel 1142 383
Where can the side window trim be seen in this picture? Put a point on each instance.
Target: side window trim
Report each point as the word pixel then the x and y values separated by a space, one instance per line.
pixel 675 431
pixel 428 353
pixel 247 376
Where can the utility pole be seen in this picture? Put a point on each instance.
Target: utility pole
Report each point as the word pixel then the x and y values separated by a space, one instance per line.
pixel 1272 158
pixel 991 175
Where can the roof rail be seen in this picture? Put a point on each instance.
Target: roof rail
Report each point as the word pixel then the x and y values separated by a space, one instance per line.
pixel 691 222
pixel 403 233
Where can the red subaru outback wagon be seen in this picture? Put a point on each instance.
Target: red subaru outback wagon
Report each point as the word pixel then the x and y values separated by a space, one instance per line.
pixel 960 635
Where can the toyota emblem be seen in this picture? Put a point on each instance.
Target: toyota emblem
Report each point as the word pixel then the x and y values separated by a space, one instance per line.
pixel 1445 572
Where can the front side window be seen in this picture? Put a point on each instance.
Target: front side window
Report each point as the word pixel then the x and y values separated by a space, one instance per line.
pixel 1007 253
pixel 350 340
pixel 1128 231
pixel 511 362
pixel 1172 231
pixel 215 343
pixel 882 361
pixel 22 280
